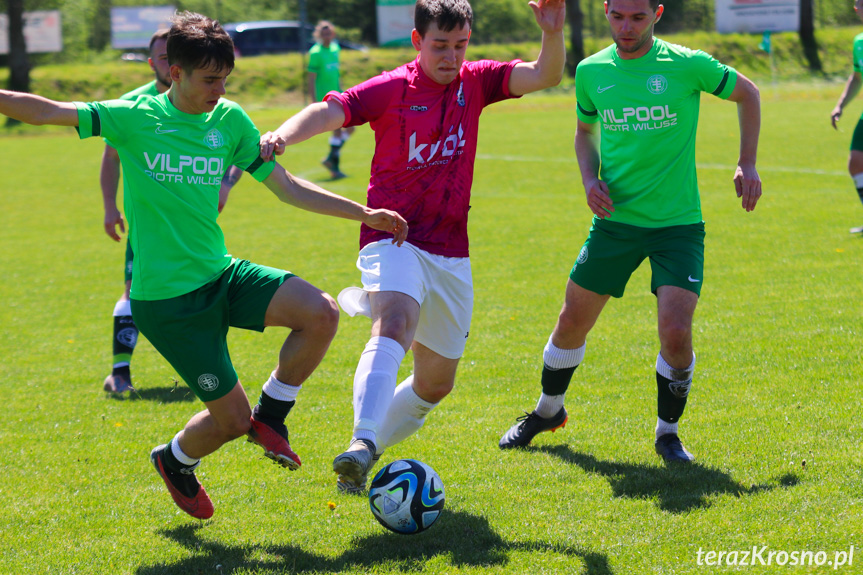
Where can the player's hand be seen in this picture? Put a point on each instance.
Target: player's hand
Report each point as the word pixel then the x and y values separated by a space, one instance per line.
pixel 549 14
pixel 747 182
pixel 388 221
pixel 113 220
pixel 272 145
pixel 834 117
pixel 598 199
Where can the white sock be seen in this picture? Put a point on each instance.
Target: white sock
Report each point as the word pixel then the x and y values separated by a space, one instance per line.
pixel 406 415
pixel 549 405
pixel 374 384
pixel 180 455
pixel 663 427
pixel 345 136
pixel 122 307
pixel 335 141
pixel 557 358
pixel 858 180
pixel 280 391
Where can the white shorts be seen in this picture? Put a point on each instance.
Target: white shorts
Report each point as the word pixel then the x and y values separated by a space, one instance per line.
pixel 442 286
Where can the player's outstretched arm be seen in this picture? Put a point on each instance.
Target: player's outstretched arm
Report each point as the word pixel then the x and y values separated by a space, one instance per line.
pixel 587 153
pixel 312 120
pixel 109 181
pixel 36 110
pixel 747 182
pixel 852 88
pixel 307 196
pixel 547 70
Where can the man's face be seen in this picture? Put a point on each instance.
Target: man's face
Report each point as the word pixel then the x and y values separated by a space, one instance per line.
pixel 198 92
pixel 159 62
pixel 327 35
pixel 632 24
pixel 441 53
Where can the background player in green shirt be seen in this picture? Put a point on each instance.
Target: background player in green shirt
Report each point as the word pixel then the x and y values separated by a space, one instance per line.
pixel 125 331
pixel 324 70
pixel 186 289
pixel 641 186
pixel 852 88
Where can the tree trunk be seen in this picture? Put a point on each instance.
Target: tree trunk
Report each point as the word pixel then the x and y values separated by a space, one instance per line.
pixel 576 34
pixel 807 36
pixel 19 65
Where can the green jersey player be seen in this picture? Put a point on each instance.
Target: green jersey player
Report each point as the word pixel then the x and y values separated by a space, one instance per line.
pixel 125 331
pixel 641 95
pixel 852 87
pixel 187 290
pixel 324 72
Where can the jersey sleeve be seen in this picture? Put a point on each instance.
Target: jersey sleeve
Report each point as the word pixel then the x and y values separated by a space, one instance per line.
pixel 247 154
pixel 585 108
pixel 713 76
pixel 103 119
pixel 858 53
pixel 368 100
pixel 494 77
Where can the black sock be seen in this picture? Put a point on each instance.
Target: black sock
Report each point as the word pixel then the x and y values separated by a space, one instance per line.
pixel 125 338
pixel 671 398
pixel 860 193
pixel 181 476
pixel 272 412
pixel 335 156
pixel 556 381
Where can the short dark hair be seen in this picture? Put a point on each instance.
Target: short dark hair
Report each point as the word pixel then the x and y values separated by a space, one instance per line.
pixel 654 4
pixel 447 14
pixel 160 34
pixel 196 41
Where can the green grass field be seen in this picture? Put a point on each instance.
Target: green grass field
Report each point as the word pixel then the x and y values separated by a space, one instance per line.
pixel 774 416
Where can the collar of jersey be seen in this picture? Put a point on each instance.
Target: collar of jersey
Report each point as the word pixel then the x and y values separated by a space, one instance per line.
pixel 647 57
pixel 177 113
pixel 426 82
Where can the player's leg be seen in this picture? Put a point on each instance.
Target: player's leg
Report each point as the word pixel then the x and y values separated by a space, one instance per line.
pixel 603 267
pixel 312 316
pixel 125 336
pixel 675 366
pixel 331 162
pixel 855 165
pixel 394 320
pixel 677 263
pixel 562 354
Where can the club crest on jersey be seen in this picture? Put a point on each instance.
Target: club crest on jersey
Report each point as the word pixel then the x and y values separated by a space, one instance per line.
pixel 657 84
pixel 214 139
pixel 460 95
pixel 582 256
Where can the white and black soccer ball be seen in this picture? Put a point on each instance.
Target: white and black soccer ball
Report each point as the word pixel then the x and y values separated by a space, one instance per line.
pixel 406 496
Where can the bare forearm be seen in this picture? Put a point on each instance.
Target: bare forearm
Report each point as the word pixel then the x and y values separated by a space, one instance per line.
pixel 587 154
pixel 109 177
pixel 315 119
pixel 310 197
pixel 749 118
pixel 852 88
pixel 36 110
pixel 552 58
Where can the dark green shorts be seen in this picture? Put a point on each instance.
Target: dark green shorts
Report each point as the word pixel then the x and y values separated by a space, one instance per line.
pixel 857 138
pixel 613 251
pixel 190 330
pixel 127 273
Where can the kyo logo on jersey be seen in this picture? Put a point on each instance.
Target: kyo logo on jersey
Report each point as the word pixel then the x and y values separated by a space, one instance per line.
pixel 641 118
pixel 437 153
pixel 189 169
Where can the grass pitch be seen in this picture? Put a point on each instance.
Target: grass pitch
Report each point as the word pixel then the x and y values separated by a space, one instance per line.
pixel 774 415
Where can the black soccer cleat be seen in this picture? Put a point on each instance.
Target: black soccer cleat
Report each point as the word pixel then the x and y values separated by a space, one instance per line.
pixel 530 424
pixel 670 448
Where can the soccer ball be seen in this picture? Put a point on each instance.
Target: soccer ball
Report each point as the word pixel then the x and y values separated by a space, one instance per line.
pixel 406 496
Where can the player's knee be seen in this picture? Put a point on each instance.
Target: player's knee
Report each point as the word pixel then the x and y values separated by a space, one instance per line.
pixel 325 316
pixel 433 391
pixel 676 337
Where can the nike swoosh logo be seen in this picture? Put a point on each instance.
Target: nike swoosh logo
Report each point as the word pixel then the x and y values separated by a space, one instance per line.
pixel 693 280
pixel 160 130
pixel 600 89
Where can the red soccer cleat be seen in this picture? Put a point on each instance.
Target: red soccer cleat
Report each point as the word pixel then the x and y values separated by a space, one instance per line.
pixel 185 489
pixel 275 445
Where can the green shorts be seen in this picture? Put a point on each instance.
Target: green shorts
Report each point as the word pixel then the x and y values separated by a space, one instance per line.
pixel 857 138
pixel 129 257
pixel 190 330
pixel 613 251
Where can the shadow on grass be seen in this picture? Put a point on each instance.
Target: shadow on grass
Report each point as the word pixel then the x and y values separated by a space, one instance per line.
pixel 173 394
pixel 679 487
pixel 466 540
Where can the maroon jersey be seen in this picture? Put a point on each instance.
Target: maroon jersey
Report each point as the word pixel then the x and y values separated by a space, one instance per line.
pixel 425 147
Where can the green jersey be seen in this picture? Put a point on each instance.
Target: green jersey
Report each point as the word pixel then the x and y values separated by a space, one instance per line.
pixel 173 164
pixel 648 109
pixel 858 53
pixel 324 62
pixel 149 89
